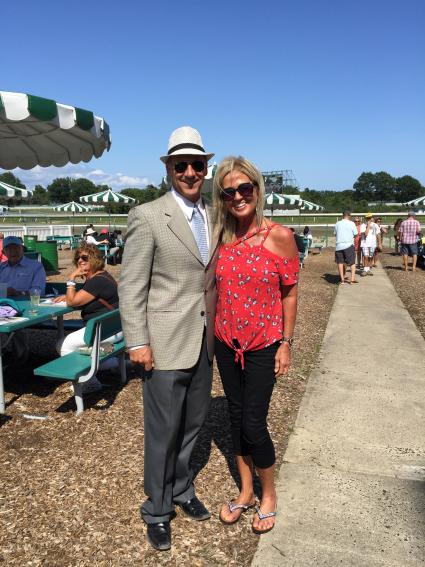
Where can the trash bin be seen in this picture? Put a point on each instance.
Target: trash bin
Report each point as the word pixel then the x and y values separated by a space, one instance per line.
pixel 49 254
pixel 30 242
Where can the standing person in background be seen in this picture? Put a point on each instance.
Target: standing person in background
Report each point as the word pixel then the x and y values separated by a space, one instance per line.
pixel 382 232
pixel 369 230
pixel 409 232
pixel 345 232
pixel 167 304
pixel 256 274
pixel 357 242
pixel 308 239
pixel 397 236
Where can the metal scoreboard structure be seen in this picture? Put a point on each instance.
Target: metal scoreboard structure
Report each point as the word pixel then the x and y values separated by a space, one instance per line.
pixel 276 181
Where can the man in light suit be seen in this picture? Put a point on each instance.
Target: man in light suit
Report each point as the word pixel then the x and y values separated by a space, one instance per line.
pixel 167 304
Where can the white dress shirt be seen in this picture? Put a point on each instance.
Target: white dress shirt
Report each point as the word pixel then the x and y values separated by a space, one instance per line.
pixel 187 208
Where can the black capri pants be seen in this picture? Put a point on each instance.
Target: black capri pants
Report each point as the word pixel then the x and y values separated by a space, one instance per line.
pixel 248 393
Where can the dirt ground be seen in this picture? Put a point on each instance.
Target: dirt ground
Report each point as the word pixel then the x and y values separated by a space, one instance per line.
pixel 410 286
pixel 71 487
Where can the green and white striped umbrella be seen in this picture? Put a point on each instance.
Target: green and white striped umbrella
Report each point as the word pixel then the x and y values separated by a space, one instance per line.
pixel 279 199
pixel 108 196
pixel 419 202
pixel 7 190
pixel 309 206
pixel 39 131
pixel 72 207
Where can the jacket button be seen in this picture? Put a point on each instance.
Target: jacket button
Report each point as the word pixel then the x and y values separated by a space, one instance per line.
pixel 202 313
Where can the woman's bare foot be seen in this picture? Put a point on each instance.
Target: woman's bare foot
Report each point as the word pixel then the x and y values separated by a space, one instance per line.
pixel 229 517
pixel 267 506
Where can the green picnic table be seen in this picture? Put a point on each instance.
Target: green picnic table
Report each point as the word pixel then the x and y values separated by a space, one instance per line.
pixel 8 327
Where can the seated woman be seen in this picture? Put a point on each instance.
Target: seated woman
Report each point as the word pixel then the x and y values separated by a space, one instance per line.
pixel 98 295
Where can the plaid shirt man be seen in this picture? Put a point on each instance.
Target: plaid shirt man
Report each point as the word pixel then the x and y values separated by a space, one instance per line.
pixel 409 230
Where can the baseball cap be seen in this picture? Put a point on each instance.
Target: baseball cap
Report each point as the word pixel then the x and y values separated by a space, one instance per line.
pixel 368 215
pixel 104 231
pixel 12 240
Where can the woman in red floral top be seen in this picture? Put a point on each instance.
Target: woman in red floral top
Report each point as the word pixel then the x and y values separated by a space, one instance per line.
pixel 256 275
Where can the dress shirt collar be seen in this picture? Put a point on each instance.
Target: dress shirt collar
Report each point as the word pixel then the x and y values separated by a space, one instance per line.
pixel 186 205
pixel 20 263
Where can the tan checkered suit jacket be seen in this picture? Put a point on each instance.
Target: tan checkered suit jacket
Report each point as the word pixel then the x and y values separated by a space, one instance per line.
pixel 164 289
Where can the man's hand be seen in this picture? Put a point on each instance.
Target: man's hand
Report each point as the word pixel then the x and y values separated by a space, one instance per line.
pixel 12 292
pixel 143 356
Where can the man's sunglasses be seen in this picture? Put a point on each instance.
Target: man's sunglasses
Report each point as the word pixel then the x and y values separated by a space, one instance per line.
pixel 83 257
pixel 181 166
pixel 244 190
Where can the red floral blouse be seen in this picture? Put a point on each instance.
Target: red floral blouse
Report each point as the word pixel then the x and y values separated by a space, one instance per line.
pixel 249 304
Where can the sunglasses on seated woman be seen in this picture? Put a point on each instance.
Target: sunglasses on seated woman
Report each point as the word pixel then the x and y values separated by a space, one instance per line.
pixel 83 257
pixel 197 165
pixel 244 190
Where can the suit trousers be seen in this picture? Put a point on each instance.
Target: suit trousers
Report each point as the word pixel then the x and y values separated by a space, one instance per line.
pixel 175 405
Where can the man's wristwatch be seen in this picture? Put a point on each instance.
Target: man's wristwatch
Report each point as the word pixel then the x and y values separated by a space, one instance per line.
pixel 288 340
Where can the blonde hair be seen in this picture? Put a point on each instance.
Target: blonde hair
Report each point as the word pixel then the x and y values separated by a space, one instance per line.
pixel 225 223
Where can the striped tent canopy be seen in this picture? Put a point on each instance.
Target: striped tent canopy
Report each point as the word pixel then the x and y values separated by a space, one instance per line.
pixel 108 196
pixel 72 207
pixel 7 190
pixel 419 202
pixel 279 199
pixel 39 131
pixel 308 206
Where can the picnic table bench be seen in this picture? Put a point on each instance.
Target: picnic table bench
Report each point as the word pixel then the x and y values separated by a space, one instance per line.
pixel 79 368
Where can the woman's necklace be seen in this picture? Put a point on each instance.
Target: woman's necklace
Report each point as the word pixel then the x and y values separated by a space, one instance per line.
pixel 251 233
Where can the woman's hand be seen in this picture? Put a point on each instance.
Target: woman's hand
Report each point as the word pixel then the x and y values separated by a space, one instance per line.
pixel 282 360
pixel 59 298
pixel 78 272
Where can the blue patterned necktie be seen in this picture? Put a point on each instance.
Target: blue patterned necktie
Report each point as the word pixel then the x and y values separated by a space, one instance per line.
pixel 199 232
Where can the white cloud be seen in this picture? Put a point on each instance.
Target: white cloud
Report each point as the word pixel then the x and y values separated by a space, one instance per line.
pixel 45 175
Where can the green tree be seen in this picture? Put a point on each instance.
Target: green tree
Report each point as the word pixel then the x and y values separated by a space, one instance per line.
pixel 379 186
pixel 8 177
pixel 408 188
pixel 59 190
pixel 364 187
pixel 40 196
pixel 80 187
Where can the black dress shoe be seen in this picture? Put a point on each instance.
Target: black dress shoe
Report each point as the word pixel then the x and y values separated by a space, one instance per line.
pixel 195 509
pixel 159 535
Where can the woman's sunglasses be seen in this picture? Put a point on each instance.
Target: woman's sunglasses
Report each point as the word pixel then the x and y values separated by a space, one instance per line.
pixel 181 166
pixel 244 190
pixel 83 257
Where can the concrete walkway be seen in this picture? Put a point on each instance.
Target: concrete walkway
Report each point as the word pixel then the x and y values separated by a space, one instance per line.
pixel 351 491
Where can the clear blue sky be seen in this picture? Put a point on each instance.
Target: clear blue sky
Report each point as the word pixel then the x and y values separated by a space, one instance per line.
pixel 327 88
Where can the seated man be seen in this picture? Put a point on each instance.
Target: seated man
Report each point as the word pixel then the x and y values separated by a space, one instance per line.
pixel 20 273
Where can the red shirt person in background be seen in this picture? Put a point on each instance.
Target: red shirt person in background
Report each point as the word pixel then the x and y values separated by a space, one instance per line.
pixel 256 276
pixel 409 232
pixel 3 257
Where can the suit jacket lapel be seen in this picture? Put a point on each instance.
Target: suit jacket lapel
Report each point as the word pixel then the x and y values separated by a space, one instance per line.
pixel 179 226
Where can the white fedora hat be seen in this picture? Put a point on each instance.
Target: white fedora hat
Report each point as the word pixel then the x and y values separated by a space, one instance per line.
pixel 185 141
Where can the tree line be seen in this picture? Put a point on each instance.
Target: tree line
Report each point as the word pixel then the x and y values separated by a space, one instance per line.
pixel 379 187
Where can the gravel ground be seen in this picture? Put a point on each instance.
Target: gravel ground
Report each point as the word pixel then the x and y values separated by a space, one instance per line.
pixel 71 487
pixel 410 286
